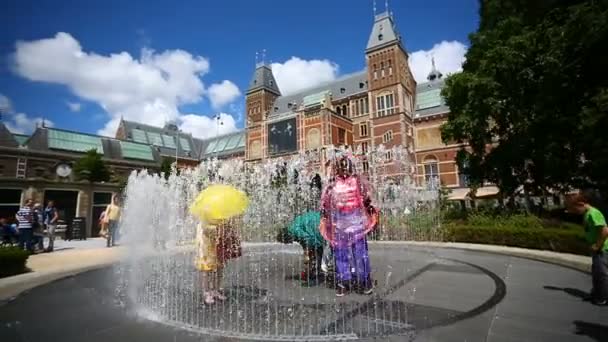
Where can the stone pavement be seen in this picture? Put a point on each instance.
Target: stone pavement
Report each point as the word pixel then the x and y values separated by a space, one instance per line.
pixel 423 294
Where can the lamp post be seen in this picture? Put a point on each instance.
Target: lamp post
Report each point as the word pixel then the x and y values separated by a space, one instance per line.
pixel 219 122
pixel 176 146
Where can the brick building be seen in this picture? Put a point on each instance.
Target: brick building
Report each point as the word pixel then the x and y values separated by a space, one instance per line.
pixel 363 110
pixel 382 104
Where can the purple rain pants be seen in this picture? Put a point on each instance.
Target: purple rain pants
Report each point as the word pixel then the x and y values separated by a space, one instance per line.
pixel 353 254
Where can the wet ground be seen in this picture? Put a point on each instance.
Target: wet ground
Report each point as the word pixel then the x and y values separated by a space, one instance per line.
pixel 421 295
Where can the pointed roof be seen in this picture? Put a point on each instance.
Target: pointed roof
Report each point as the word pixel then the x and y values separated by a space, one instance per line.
pixel 384 32
pixel 263 79
pixel 7 138
pixel 435 74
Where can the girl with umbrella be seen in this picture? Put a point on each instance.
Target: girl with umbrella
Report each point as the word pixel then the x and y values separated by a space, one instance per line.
pixel 217 239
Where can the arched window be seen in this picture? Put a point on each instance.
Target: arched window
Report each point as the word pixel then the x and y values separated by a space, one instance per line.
pixel 344 110
pixel 339 110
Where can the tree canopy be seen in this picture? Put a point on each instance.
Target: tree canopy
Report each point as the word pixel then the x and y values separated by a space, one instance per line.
pixel 91 167
pixel 532 100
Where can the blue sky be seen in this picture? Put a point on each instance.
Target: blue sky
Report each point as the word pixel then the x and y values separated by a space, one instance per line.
pixel 84 64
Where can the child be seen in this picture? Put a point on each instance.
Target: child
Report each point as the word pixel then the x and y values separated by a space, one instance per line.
pixel 217 243
pixel 596 234
pixel 305 230
pixel 8 233
pixel 103 231
pixel 347 217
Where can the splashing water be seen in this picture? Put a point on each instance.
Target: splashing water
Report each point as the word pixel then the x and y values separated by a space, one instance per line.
pixel 266 299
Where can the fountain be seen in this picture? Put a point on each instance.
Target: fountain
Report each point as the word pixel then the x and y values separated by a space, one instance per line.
pixel 266 299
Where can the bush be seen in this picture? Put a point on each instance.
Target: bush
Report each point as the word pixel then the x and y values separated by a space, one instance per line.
pixel 558 240
pixel 12 261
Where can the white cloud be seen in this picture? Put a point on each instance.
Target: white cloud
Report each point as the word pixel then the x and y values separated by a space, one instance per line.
pixel 207 127
pixel 19 122
pixel 74 106
pixel 149 89
pixel 223 93
pixel 5 104
pixel 449 57
pixel 23 124
pixel 297 74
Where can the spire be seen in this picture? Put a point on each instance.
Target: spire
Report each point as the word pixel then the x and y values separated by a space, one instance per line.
pixel 263 79
pixel 434 74
pixel 384 31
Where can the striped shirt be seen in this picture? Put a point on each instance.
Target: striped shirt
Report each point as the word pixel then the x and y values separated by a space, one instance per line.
pixel 25 218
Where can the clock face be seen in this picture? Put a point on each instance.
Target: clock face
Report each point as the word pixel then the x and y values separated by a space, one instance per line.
pixel 63 170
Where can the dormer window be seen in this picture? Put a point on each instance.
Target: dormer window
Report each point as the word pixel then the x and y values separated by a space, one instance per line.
pixel 342 90
pixel 276 109
pixel 361 85
pixel 271 83
pixel 380 36
pixel 289 105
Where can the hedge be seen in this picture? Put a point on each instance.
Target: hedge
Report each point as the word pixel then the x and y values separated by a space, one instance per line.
pixel 12 261
pixel 558 240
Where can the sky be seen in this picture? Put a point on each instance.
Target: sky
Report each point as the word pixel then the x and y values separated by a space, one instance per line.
pixel 84 65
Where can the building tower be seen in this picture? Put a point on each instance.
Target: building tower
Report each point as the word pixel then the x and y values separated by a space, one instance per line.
pixel 260 96
pixel 392 87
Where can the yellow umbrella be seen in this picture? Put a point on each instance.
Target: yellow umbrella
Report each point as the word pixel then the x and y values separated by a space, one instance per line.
pixel 219 202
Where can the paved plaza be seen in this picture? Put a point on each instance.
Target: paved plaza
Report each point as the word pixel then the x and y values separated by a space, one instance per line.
pixel 422 294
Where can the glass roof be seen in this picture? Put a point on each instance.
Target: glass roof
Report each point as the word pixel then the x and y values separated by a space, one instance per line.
pixel 21 139
pixel 168 141
pixel 155 139
pixel 76 142
pixel 139 136
pixel 242 141
pixel 314 99
pixel 184 144
pixel 211 147
pixel 428 99
pixel 233 142
pixel 136 151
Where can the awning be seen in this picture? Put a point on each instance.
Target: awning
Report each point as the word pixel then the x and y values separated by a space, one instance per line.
pixel 459 194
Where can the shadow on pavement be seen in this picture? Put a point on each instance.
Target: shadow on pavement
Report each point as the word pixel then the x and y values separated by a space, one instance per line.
pixel 572 292
pixel 597 332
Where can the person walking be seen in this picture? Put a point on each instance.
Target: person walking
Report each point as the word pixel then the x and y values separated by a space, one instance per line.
pixel 112 217
pixel 596 234
pixel 51 216
pixel 25 218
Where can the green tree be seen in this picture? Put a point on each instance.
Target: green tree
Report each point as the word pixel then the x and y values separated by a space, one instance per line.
pixel 92 168
pixel 534 87
pixel 165 168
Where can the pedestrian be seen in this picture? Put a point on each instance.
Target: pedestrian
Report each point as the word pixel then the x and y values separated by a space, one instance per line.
pixel 346 218
pixel 596 234
pixel 217 242
pixel 38 227
pixel 25 218
pixel 112 217
pixel 51 216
